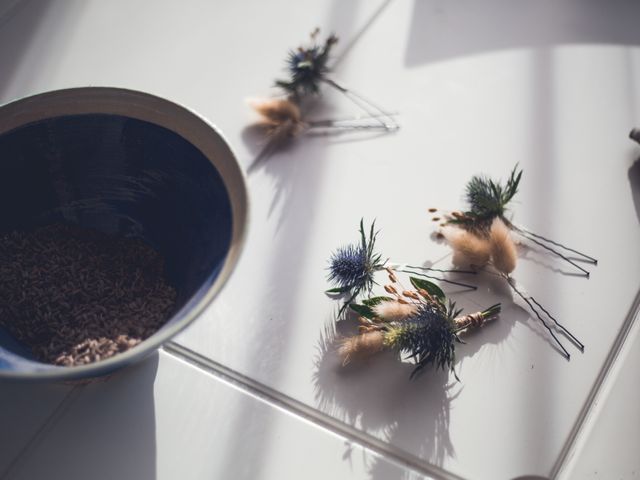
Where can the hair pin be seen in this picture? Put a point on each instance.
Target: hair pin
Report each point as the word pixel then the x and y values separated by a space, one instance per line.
pixel 482 236
pixel 308 69
pixel 352 268
pixel 419 321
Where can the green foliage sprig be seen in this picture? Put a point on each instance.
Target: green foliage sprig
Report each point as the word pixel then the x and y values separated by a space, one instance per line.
pixel 420 323
pixel 487 200
pixel 483 238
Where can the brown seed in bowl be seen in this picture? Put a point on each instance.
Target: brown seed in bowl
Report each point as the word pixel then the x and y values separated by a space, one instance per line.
pixel 76 296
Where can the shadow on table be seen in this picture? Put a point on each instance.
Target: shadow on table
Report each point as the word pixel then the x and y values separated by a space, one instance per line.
pixel 379 399
pixel 297 176
pixel 103 430
pixel 443 30
pixel 376 396
pixel 295 166
pixel 20 22
pixel 634 182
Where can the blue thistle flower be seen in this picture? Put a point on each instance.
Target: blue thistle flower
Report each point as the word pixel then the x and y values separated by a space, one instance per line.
pixel 352 267
pixel 348 267
pixel 307 68
pixel 428 336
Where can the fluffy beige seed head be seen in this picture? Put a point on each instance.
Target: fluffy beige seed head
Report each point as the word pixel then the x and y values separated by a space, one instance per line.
pixel 503 249
pixel 280 117
pixel 469 250
pixel 393 311
pixel 360 345
pixel 275 110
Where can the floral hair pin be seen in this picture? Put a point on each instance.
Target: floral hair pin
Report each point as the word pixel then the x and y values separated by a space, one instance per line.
pixel 483 236
pixel 352 268
pixel 419 322
pixel 308 69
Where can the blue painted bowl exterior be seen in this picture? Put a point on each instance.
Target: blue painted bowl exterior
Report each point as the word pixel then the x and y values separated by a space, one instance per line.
pixel 119 170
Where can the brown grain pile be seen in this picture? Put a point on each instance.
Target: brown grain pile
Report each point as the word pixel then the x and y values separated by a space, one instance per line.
pixel 76 296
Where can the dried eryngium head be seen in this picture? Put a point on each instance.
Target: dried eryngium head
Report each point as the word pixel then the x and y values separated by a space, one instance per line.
pixel 307 67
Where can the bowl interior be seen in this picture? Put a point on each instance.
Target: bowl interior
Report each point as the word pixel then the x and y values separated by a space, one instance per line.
pixel 117 174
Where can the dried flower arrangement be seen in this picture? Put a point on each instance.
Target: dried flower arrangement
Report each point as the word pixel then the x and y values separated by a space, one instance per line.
pixel 483 237
pixel 419 322
pixel 352 268
pixel 308 67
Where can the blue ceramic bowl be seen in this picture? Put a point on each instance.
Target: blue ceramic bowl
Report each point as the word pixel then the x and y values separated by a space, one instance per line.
pixel 123 162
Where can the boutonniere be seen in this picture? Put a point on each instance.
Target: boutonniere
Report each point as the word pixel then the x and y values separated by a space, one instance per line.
pixel 483 237
pixel 419 321
pixel 353 267
pixel 308 70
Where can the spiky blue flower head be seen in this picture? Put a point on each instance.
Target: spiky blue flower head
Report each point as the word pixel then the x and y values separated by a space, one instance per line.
pixel 352 267
pixel 428 336
pixel 305 63
pixel 307 67
pixel 349 267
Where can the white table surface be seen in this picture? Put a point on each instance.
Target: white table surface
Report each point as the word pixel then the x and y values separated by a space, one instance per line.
pixel 248 391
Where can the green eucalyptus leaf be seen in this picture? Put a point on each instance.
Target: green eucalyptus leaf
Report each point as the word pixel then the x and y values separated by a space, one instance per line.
pixel 363 310
pixel 372 302
pixel 432 288
pixel 338 290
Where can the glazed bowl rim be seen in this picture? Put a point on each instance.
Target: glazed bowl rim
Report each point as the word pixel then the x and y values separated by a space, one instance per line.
pixel 186 123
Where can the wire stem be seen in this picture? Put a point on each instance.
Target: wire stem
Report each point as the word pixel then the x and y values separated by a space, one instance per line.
pixel 348 127
pixel 533 309
pixel 334 122
pixel 460 284
pixel 367 105
pixel 555 252
pixel 562 327
pixel 557 244
pixel 470 272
